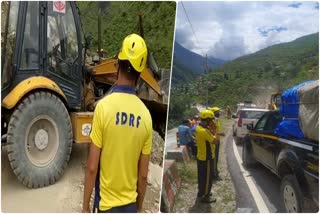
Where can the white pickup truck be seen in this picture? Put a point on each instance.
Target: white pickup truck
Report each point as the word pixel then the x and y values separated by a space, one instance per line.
pixel 244 117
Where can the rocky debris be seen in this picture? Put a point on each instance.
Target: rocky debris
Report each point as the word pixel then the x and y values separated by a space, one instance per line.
pixel 154 175
pixel 150 205
pixel 157 149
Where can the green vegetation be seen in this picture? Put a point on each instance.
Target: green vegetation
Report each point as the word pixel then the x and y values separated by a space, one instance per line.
pixel 181 72
pixel 121 18
pixel 252 77
pixel 180 108
pixel 188 172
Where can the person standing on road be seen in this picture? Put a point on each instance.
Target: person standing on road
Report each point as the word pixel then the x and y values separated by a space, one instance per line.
pixel 216 112
pixel 205 156
pixel 121 138
pixel 228 112
pixel 185 136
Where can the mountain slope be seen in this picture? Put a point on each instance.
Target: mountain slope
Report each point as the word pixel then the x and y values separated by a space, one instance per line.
pixel 257 75
pixel 252 77
pixel 187 65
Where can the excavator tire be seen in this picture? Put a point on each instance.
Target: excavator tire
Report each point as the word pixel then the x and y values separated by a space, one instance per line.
pixel 39 139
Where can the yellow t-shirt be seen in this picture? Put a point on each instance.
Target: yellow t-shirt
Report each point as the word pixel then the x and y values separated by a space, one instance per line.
pixel 122 128
pixel 218 125
pixel 204 140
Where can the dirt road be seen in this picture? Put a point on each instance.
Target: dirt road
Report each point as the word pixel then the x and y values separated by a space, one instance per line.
pixel 66 195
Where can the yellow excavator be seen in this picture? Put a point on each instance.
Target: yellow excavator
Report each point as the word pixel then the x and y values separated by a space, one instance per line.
pixel 49 91
pixel 275 101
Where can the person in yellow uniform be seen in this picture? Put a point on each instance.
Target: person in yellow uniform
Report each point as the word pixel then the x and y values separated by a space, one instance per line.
pixel 205 156
pixel 121 138
pixel 216 112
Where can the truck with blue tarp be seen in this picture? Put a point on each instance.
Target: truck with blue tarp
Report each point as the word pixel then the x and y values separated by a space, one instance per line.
pixel 287 143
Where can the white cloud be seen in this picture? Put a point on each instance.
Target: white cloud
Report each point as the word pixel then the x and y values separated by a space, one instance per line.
pixel 228 30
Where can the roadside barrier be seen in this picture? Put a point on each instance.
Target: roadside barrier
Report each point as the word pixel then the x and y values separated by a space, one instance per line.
pixel 170 186
pixel 179 154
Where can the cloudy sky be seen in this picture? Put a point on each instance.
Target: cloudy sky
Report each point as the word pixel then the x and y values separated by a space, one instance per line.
pixel 227 30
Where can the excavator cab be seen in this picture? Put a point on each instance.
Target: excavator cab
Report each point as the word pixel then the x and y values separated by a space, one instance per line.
pixel 42 39
pixel 275 101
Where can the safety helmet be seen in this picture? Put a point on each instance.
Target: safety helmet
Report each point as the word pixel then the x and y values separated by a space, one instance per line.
pixel 134 49
pixel 206 114
pixel 214 109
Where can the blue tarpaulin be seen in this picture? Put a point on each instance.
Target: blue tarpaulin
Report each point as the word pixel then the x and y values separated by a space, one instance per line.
pixel 289 128
pixel 289 109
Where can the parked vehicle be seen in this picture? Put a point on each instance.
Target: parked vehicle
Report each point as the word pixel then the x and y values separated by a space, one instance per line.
pixel 294 161
pixel 244 117
pixel 246 104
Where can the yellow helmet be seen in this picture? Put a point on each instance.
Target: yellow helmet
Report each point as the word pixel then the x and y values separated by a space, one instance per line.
pixel 206 114
pixel 214 109
pixel 134 49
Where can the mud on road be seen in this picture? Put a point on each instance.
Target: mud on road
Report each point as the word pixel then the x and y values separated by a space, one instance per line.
pixel 66 194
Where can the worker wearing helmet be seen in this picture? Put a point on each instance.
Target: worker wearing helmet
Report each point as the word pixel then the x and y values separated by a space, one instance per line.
pixel 121 138
pixel 216 111
pixel 205 155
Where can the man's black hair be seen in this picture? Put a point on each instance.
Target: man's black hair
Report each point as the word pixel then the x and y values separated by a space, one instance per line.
pixel 185 121
pixel 127 70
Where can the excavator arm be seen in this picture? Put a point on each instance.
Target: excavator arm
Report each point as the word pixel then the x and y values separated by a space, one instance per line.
pixel 109 66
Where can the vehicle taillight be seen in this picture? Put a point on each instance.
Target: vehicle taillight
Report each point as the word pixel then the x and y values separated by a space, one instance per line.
pixel 240 122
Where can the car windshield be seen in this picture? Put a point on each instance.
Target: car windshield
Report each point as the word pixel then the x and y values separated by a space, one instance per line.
pixel 251 114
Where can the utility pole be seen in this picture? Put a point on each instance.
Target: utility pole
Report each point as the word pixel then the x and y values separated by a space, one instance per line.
pixel 99 32
pixel 207 90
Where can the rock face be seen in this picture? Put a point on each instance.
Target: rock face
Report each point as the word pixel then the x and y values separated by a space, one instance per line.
pixel 151 199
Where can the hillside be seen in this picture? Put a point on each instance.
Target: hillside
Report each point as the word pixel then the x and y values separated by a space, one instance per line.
pixel 256 76
pixel 121 18
pixel 187 65
pixel 253 77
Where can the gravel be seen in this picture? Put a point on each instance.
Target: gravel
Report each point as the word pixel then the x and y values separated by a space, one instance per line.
pixel 157 149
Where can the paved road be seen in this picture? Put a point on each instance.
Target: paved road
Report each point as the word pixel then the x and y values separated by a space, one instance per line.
pixel 256 188
pixel 266 184
pixel 171 140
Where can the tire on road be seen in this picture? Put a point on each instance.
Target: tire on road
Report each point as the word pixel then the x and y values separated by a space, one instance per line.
pixel 291 194
pixel 247 157
pixel 39 139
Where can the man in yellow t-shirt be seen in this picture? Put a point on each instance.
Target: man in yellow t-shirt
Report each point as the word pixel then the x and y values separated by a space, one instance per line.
pixel 121 139
pixel 216 112
pixel 205 156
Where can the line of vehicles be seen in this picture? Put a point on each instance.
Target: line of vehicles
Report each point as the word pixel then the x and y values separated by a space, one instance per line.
pixel 294 160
